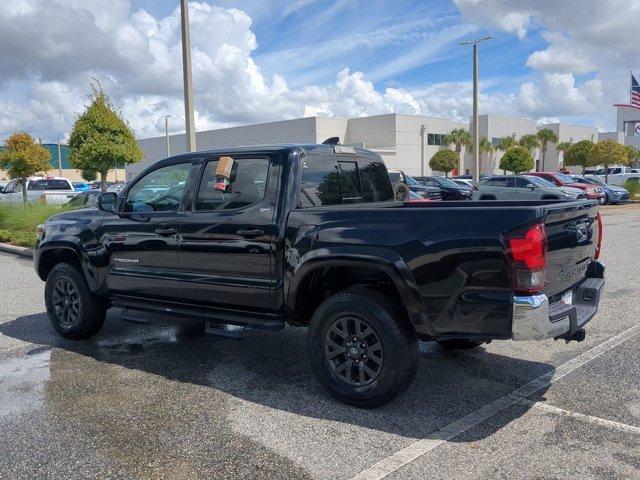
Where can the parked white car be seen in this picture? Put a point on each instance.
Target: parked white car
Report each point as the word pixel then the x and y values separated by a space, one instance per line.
pixel 50 190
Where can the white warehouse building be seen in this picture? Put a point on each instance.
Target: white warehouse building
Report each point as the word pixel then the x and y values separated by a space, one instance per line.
pixel 405 142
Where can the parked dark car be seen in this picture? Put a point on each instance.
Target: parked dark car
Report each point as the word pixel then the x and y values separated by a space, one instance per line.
pixel 432 193
pixel 450 190
pixel 560 179
pixel 310 235
pixel 613 193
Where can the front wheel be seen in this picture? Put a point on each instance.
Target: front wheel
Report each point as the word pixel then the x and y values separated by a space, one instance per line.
pixel 73 310
pixel 361 349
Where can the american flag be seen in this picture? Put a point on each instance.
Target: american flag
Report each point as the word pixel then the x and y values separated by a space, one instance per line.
pixel 635 92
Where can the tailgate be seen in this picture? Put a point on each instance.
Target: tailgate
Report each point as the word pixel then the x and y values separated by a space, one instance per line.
pixel 572 235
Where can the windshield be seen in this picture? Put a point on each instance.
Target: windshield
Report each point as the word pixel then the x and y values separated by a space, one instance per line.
pixel 49 184
pixel 591 180
pixel 445 182
pixel 540 182
pixel 564 178
pixel 412 181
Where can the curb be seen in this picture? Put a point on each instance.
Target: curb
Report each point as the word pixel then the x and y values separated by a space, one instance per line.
pixel 20 251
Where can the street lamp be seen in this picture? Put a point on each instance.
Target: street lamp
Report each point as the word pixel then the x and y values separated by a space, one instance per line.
pixel 186 72
pixel 166 134
pixel 476 137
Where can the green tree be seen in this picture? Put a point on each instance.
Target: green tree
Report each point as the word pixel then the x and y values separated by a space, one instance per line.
pixel 23 157
pixel 444 160
pixel 529 141
pixel 101 139
pixel 563 147
pixel 458 137
pixel 517 159
pixel 578 155
pixel 545 136
pixel 608 153
pixel 486 150
pixel 505 144
pixel 633 153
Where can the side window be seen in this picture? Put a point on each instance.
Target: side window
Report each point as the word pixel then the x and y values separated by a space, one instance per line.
pixel 324 181
pixel 159 191
pixel 246 186
pixel 11 186
pixel 522 182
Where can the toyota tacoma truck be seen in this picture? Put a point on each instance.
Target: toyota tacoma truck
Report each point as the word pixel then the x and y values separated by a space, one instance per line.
pixel 311 236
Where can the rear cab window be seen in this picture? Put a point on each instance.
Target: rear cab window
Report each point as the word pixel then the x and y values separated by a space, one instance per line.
pixel 49 184
pixel 343 179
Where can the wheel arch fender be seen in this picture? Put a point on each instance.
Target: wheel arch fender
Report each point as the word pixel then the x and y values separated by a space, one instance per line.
pixel 383 260
pixel 54 251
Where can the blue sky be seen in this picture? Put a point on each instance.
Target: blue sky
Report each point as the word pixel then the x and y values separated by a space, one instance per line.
pixel 265 60
pixel 427 23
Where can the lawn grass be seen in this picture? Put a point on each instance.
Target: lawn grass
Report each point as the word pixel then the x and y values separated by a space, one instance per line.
pixel 18 224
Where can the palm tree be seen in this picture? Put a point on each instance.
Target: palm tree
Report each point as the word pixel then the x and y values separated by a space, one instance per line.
pixel 564 148
pixel 459 137
pixel 530 141
pixel 505 144
pixel 546 135
pixel 485 147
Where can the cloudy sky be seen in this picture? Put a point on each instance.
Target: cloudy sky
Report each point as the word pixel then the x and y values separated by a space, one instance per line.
pixel 264 60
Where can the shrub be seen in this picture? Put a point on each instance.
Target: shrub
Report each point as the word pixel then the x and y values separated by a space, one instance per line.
pixel 444 160
pixel 517 159
pixel 18 224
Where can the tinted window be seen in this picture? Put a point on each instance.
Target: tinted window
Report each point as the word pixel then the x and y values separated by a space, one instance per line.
pixel 522 182
pixel 48 184
pixel 245 187
pixel 159 191
pixel 502 182
pixel 325 181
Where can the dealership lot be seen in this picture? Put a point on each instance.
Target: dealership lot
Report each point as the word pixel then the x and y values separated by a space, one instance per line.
pixel 165 401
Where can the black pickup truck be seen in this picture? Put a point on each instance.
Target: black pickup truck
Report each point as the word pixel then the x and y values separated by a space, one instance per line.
pixel 310 235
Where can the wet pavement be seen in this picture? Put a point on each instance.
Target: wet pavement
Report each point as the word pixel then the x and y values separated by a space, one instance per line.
pixel 166 401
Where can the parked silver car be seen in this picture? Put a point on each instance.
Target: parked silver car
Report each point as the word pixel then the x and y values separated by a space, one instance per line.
pixel 523 187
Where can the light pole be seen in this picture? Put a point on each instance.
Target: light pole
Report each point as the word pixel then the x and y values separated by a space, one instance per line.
pixel 475 135
pixel 186 73
pixel 59 157
pixel 166 134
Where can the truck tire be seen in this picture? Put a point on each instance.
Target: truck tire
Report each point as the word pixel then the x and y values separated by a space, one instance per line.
pixel 73 310
pixel 361 348
pixel 459 344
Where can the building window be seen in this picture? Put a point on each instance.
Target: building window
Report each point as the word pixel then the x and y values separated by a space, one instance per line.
pixel 495 141
pixel 435 139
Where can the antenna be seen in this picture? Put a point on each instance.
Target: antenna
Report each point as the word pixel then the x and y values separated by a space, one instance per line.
pixel 332 141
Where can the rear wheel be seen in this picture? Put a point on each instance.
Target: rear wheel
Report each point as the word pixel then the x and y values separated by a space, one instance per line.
pixel 72 309
pixel 459 344
pixel 361 349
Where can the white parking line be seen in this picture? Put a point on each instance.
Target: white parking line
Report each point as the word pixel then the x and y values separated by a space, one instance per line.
pixel 602 422
pixel 408 454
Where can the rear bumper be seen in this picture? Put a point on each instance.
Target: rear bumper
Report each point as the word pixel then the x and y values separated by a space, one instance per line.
pixel 534 318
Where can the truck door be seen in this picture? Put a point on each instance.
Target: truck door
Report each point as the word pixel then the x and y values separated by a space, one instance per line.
pixel 229 238
pixel 141 244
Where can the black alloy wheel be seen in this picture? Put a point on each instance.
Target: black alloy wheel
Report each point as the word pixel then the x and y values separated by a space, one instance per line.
pixel 66 302
pixel 353 351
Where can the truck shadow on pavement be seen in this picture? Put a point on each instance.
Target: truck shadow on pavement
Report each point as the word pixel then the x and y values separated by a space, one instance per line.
pixel 271 369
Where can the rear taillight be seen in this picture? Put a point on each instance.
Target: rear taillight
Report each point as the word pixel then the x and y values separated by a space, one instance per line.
pixel 600 236
pixel 527 256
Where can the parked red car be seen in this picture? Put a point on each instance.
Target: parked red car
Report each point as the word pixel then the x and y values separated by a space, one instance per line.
pixel 560 179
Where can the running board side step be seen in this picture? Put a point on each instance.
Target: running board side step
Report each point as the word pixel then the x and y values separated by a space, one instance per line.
pixel 209 315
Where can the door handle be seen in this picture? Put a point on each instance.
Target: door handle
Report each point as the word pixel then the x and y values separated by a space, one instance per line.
pixel 251 232
pixel 166 231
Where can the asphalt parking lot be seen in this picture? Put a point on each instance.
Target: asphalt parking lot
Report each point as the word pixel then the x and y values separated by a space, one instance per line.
pixel 166 401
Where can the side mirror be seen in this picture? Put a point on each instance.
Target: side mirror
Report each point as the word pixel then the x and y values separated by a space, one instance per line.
pixel 107 202
pixel 531 186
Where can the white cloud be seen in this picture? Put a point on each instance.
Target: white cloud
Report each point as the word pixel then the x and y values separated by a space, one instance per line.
pixel 49 50
pixel 583 36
